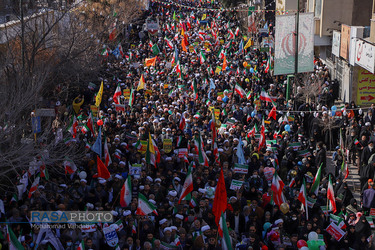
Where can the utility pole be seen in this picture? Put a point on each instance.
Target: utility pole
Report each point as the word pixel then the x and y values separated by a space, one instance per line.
pixel 22 36
pixel 296 50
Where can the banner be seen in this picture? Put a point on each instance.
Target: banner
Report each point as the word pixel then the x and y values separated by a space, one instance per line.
pixel 251 26
pixel 295 145
pixel 94 110
pixel 181 152
pixel 135 170
pixel 345 41
pixel 143 148
pixel 167 145
pixel 365 55
pixel 126 93
pixel 269 143
pixel 335 231
pixel 285 44
pixel 217 114
pixel 236 185
pixel 310 202
pixel 110 235
pixel 241 168
pixel 336 37
pixel 365 88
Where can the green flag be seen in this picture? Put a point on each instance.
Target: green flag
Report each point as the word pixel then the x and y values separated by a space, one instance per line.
pixel 155 49
pixel 315 187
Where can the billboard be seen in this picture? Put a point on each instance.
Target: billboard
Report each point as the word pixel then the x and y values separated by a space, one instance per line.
pixel 365 88
pixel 285 44
pixel 345 41
pixel 364 55
pixel 336 43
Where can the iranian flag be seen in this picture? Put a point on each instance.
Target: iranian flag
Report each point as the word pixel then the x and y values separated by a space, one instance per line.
pixel 345 169
pixel 198 144
pixel 277 190
pixel 315 187
pixel 182 122
pixel 169 43
pixel 90 123
pixel 107 157
pixel 264 96
pixel 239 90
pixel 116 96
pixel 237 32
pixel 226 242
pixel 73 126
pixel 188 185
pixel 248 95
pixel 34 186
pixel 331 196
pixel 70 167
pixel 14 243
pixel 292 182
pixel 202 57
pixel 221 53
pixel 231 35
pixel 126 193
pixel 81 246
pixel 195 89
pixel 131 99
pixel 134 229
pixel 144 206
pixel 178 67
pixel 268 66
pixel 302 197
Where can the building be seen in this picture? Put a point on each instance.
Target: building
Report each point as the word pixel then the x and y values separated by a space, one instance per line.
pixel 338 24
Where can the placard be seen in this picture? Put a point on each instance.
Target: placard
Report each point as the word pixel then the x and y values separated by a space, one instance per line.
pixel 336 37
pixel 167 145
pixel 335 231
pixel 241 168
pixel 126 93
pixel 135 170
pixel 94 110
pixel 110 235
pixel 236 185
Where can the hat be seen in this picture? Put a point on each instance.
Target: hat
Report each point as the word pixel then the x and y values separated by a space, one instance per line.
pixel 114 213
pixel 205 228
pixel 149 178
pixel 279 221
pixel 118 176
pixel 157 179
pixel 180 216
pixel 161 222
pixel 102 181
pixel 126 213
pixel 172 193
pixel 173 228
pixel 368 124
pixel 63 185
pixel 167 229
pixel 177 179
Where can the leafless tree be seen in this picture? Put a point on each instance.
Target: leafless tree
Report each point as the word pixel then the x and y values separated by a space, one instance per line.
pixel 60 52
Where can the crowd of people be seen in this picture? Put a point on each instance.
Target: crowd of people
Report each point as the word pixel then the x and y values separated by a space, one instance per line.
pixel 207 103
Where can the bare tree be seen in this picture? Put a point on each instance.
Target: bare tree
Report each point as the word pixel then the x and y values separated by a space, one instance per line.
pixel 61 54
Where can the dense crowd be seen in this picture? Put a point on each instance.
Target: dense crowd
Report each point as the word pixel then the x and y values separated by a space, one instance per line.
pixel 209 103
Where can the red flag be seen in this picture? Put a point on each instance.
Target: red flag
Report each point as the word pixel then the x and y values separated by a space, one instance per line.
pixel 272 113
pixel 220 200
pixel 102 169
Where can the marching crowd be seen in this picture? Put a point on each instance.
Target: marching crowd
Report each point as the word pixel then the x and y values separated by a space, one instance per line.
pixel 195 132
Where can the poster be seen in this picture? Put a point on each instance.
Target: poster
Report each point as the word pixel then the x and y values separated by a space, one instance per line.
pixel 110 235
pixel 241 168
pixel 126 93
pixel 345 41
pixel 167 145
pixel 94 110
pixel 236 185
pixel 365 55
pixel 336 37
pixel 335 231
pixel 269 143
pixel 142 148
pixel 135 170
pixel 217 114
pixel 251 26
pixel 365 88
pixel 285 44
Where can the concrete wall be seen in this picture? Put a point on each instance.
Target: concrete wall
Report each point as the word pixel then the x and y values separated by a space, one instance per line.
pixel 362 12
pixel 335 10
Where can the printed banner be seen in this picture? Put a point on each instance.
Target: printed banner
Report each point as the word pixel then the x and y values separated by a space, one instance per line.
pixel 335 231
pixel 126 93
pixel 285 44
pixel 310 202
pixel 143 148
pixel 241 168
pixel 365 88
pixel 135 170
pixel 236 185
pixel 270 142
pixel 110 235
pixel 167 145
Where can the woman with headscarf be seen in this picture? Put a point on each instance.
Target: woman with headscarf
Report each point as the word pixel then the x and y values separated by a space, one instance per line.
pixel 352 208
pixel 362 228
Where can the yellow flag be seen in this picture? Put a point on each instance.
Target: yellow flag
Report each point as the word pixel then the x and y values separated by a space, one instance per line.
pixel 141 84
pixel 204 16
pixel 248 44
pixel 150 144
pixel 182 31
pixel 98 98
